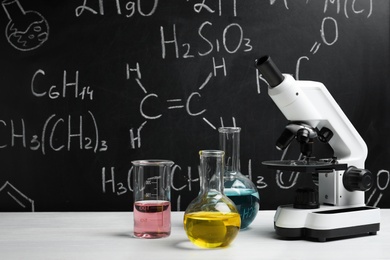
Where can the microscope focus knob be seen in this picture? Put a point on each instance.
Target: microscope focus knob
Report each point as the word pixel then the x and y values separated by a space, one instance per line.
pixel 357 179
pixel 325 134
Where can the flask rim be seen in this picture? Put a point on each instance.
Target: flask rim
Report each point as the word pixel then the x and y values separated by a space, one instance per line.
pixel 152 162
pixel 229 129
pixel 211 153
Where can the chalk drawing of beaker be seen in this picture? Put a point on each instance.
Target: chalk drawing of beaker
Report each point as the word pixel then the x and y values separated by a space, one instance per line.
pixel 26 30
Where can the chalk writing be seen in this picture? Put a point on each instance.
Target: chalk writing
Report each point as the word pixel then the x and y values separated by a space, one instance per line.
pixel 328 26
pixel 214 37
pixel 111 183
pixel 54 91
pixel 232 40
pixel 382 182
pixel 203 6
pixel 326 40
pixel 8 191
pixel 26 30
pixel 111 179
pixel 137 138
pixel 332 26
pixel 349 6
pixel 55 128
pixel 129 10
pixel 333 23
pixel 172 103
pixel 285 3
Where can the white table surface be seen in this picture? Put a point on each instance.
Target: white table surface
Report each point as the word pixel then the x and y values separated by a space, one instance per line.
pixel 108 235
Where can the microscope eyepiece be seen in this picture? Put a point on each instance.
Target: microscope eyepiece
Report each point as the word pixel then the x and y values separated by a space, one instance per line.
pixel 270 72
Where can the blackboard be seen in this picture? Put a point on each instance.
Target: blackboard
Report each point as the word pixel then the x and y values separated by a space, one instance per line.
pixel 93 84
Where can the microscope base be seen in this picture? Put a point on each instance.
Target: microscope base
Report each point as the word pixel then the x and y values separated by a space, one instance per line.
pixel 326 222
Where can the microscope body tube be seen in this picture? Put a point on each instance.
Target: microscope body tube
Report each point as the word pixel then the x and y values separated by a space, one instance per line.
pixel 311 103
pixel 293 103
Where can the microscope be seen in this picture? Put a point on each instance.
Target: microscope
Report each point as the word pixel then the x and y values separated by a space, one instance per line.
pixel 337 208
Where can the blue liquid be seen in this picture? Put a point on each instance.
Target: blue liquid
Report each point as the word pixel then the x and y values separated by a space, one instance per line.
pixel 247 203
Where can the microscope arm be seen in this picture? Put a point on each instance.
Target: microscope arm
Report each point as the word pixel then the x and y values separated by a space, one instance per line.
pixel 311 103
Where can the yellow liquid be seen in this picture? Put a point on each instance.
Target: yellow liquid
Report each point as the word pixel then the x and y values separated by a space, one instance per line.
pixel 212 229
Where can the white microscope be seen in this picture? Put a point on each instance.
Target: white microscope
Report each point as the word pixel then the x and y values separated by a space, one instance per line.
pixel 337 209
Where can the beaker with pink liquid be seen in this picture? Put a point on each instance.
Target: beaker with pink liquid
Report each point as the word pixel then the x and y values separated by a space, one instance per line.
pixel 152 192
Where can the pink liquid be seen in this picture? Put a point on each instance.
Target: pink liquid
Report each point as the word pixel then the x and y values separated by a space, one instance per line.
pixel 152 218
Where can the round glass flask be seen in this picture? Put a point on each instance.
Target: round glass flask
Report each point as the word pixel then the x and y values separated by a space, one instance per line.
pixel 237 187
pixel 211 220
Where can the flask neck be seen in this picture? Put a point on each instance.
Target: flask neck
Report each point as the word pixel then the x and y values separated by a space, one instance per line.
pixel 229 142
pixel 211 171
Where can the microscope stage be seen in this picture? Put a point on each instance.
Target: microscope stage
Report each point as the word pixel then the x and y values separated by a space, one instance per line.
pixel 304 166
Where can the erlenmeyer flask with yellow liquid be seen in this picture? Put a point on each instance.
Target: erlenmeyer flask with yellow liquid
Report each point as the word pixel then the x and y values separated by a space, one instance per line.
pixel 211 220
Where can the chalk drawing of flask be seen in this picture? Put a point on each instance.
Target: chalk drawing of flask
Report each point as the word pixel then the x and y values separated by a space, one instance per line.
pixel 26 30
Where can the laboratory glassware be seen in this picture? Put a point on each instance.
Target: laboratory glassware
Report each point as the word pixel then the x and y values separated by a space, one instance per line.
pixel 237 186
pixel 211 220
pixel 152 206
